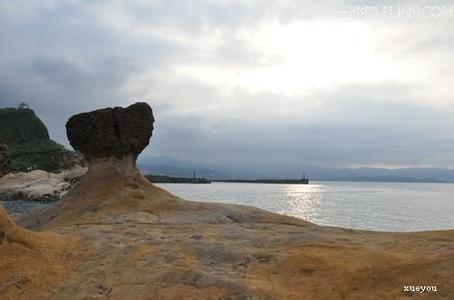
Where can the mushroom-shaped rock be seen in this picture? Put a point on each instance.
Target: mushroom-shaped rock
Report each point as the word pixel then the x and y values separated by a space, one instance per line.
pixel 114 191
pixel 111 132
pixel 5 163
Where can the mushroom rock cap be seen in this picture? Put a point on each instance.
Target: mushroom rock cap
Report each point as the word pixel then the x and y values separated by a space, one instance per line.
pixel 111 132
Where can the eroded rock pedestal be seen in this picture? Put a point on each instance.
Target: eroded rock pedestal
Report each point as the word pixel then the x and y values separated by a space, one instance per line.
pixel 113 190
pixel 5 162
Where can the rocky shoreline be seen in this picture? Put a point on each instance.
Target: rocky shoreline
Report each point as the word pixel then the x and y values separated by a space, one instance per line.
pixel 39 185
pixel 19 208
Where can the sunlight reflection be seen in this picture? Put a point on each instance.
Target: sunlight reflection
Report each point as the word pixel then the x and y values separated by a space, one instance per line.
pixel 303 201
pixel 371 206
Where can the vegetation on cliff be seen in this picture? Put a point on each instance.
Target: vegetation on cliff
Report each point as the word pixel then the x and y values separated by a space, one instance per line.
pixel 28 141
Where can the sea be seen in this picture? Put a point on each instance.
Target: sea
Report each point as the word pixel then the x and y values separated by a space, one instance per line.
pixel 358 205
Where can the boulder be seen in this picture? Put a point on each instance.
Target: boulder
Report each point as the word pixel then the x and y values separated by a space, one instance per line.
pixel 5 162
pixel 111 132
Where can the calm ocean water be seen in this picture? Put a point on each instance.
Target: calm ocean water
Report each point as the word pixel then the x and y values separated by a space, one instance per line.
pixel 371 206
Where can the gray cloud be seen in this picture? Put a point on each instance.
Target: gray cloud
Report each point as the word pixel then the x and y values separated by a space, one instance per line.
pixel 64 57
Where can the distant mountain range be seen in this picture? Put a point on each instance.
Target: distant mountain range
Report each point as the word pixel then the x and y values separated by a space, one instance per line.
pixel 385 179
pixel 169 166
pixel 160 165
pixel 174 171
pixel 390 175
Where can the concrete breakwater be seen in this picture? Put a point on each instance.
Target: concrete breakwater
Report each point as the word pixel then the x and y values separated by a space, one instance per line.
pixel 277 181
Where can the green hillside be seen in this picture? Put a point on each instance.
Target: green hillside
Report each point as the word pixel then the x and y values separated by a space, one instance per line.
pixel 28 141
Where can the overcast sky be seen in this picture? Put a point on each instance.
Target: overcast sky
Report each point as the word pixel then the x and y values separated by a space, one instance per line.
pixel 247 84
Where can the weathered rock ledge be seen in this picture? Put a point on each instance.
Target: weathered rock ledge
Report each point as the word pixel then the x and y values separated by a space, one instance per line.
pixel 38 185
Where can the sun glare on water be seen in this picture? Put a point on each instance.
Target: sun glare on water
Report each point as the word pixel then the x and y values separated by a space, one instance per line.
pixel 303 201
